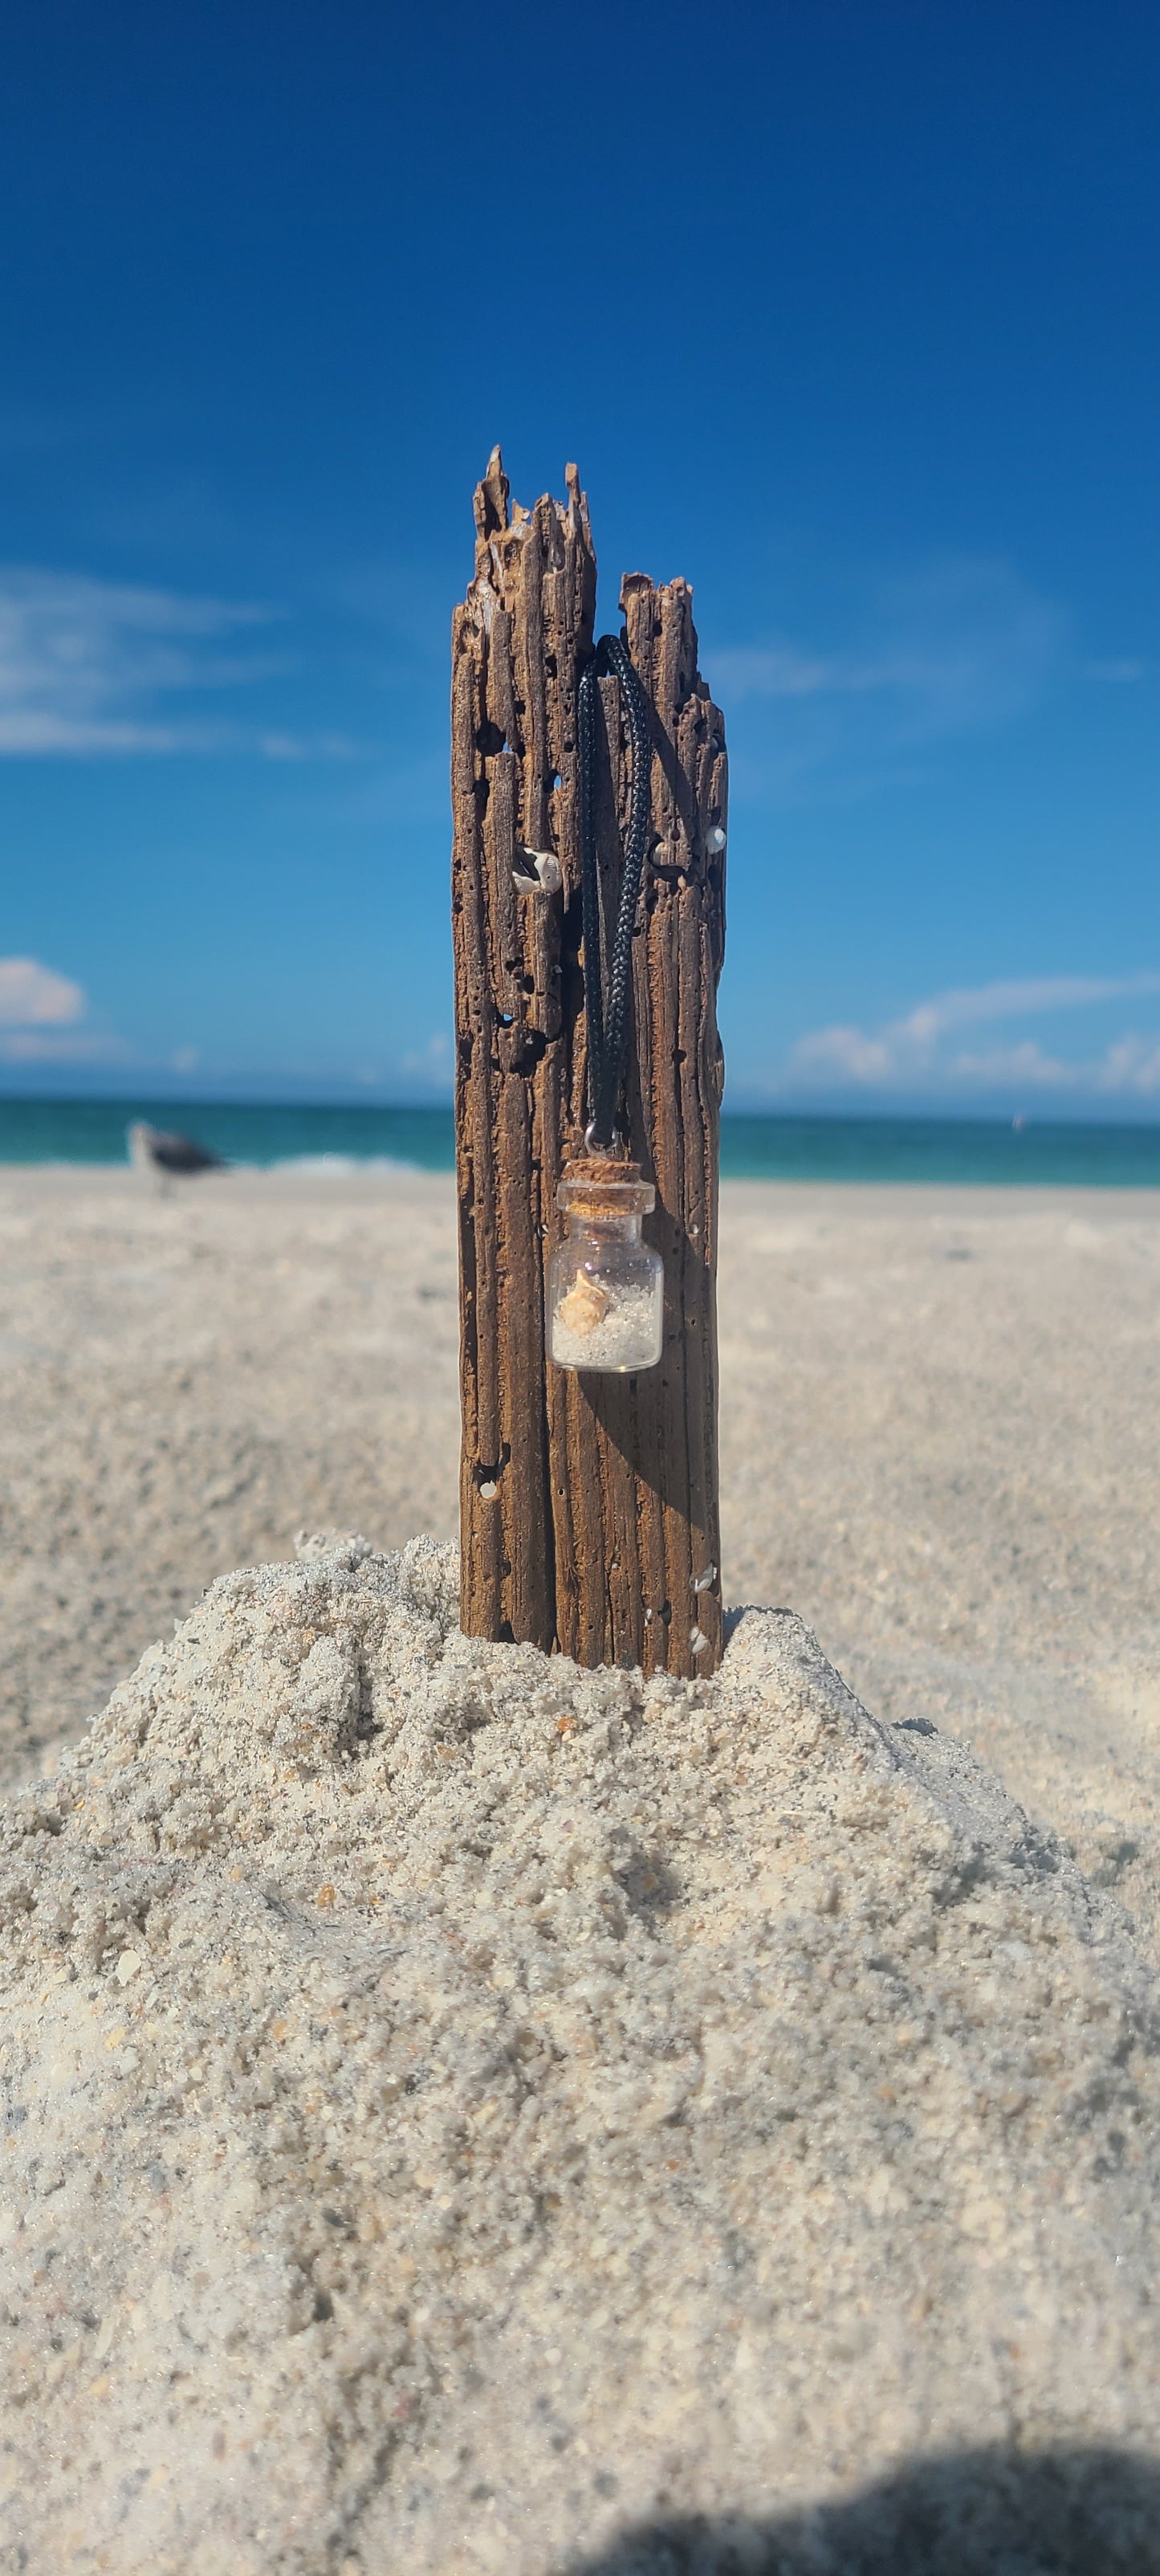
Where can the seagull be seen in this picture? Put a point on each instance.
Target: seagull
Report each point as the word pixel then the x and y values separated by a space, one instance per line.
pixel 152 1150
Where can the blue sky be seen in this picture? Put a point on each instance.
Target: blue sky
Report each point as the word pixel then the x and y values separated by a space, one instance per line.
pixel 846 311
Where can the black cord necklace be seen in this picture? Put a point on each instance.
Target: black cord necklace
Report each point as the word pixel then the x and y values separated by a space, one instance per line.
pixel 607 1018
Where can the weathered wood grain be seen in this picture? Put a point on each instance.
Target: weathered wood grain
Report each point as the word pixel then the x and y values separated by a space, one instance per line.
pixel 588 1504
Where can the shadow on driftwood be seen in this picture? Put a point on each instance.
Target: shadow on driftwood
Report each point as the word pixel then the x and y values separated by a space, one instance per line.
pixel 634 1412
pixel 972 2513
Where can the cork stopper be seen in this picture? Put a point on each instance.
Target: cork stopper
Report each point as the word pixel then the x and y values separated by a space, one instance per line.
pixel 604 1185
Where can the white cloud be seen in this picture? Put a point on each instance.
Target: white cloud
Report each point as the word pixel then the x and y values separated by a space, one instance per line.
pixel 909 1053
pixel 87 666
pixel 1007 1001
pixel 1024 1065
pixel 32 995
pixel 433 1060
pixel 777 671
pixel 844 1050
pixel 43 1016
pixel 42 1046
pixel 32 733
pixel 81 661
pixel 294 746
pixel 961 644
pixel 1132 1064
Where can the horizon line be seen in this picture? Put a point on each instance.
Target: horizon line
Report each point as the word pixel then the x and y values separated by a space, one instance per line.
pixel 819 1113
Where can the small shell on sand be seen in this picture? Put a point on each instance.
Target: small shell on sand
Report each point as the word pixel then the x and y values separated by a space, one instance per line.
pixel 585 1305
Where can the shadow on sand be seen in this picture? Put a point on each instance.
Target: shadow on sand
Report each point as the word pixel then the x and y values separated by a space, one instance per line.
pixel 969 2513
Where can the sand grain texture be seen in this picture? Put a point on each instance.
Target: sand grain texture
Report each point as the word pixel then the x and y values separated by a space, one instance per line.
pixel 187 1380
pixel 938 1442
pixel 459 2107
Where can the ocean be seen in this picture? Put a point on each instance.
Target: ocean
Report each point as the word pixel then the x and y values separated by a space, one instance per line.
pixel 753 1147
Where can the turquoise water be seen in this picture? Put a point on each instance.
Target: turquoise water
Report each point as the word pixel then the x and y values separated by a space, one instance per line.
pixel 752 1147
pixel 93 1131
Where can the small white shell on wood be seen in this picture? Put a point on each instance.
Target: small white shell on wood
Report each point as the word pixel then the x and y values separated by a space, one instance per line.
pixel 538 872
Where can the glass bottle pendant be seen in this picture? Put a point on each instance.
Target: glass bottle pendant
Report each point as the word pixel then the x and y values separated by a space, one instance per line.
pixel 605 1284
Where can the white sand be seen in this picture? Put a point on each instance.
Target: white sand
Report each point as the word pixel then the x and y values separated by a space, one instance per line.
pixel 184 1382
pixel 458 2113
pixel 939 1415
pixel 459 2108
pixel 632 1325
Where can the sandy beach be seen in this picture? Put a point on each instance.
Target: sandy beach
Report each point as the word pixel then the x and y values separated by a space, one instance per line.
pixel 463 2114
pixel 938 1415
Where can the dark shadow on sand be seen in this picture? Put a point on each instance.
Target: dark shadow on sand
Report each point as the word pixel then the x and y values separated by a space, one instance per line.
pixel 969 2513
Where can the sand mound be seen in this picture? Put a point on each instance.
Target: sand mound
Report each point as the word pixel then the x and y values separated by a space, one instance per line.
pixel 460 2107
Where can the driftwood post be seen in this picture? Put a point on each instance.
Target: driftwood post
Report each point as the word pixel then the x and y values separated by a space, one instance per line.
pixel 589 1508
